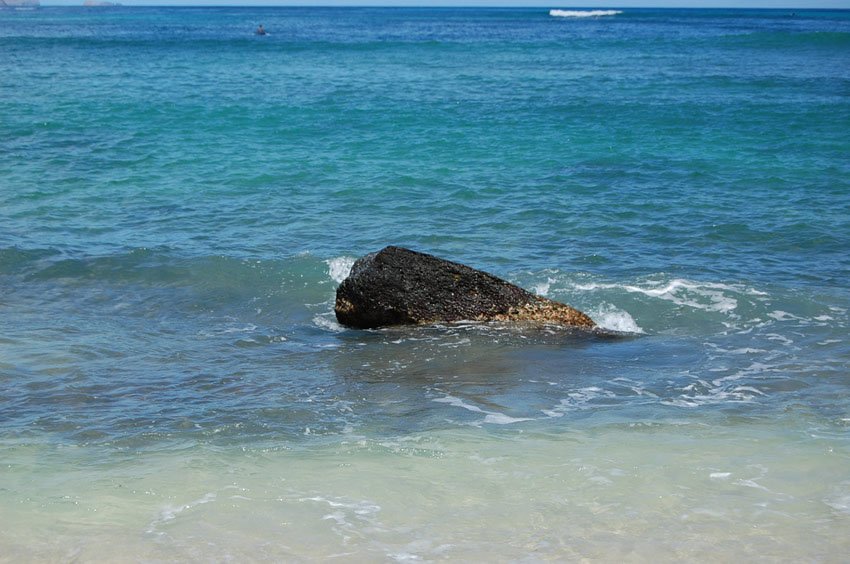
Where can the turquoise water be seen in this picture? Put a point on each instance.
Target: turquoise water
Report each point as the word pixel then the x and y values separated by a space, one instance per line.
pixel 179 199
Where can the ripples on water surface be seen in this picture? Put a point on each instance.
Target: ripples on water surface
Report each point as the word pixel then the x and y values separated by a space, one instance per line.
pixel 179 200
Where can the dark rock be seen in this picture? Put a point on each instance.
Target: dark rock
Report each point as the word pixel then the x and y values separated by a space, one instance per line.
pixel 397 286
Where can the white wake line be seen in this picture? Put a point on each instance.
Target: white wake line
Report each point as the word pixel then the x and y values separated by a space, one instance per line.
pixel 583 13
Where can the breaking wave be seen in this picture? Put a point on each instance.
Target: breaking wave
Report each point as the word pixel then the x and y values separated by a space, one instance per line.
pixel 340 267
pixel 609 317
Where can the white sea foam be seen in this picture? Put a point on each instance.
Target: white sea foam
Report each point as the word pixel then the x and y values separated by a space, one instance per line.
pixel 739 394
pixel 722 390
pixel 339 267
pixel 583 13
pixel 170 512
pixel 328 322
pixel 357 507
pixel 752 484
pixel 579 399
pixel 635 386
pixel 240 329
pixel 608 316
pixel 742 350
pixel 457 402
pixel 706 296
pixel 781 338
pixel 752 369
pixel 348 516
pixel 542 289
pixel 780 315
pixel 748 390
pixel 502 419
pixel 493 417
pixel 840 499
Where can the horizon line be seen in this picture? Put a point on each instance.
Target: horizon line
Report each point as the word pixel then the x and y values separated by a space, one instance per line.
pixel 438 4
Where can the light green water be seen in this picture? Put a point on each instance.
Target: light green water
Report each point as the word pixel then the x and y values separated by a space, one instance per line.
pixel 669 491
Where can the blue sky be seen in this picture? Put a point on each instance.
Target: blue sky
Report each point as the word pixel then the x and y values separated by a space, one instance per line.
pixel 799 4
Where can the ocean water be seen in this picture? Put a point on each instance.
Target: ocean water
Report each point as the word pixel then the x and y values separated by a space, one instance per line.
pixel 179 199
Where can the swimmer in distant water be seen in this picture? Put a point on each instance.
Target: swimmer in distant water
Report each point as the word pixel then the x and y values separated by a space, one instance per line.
pixel 260 30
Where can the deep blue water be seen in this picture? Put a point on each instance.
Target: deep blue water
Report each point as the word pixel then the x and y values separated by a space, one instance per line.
pixel 179 199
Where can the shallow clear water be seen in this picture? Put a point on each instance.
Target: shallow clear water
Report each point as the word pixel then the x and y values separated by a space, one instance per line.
pixel 179 199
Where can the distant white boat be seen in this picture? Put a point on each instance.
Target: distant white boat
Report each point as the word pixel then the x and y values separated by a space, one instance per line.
pixel 583 13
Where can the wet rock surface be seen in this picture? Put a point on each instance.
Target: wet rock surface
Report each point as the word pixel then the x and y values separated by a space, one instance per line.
pixel 397 286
